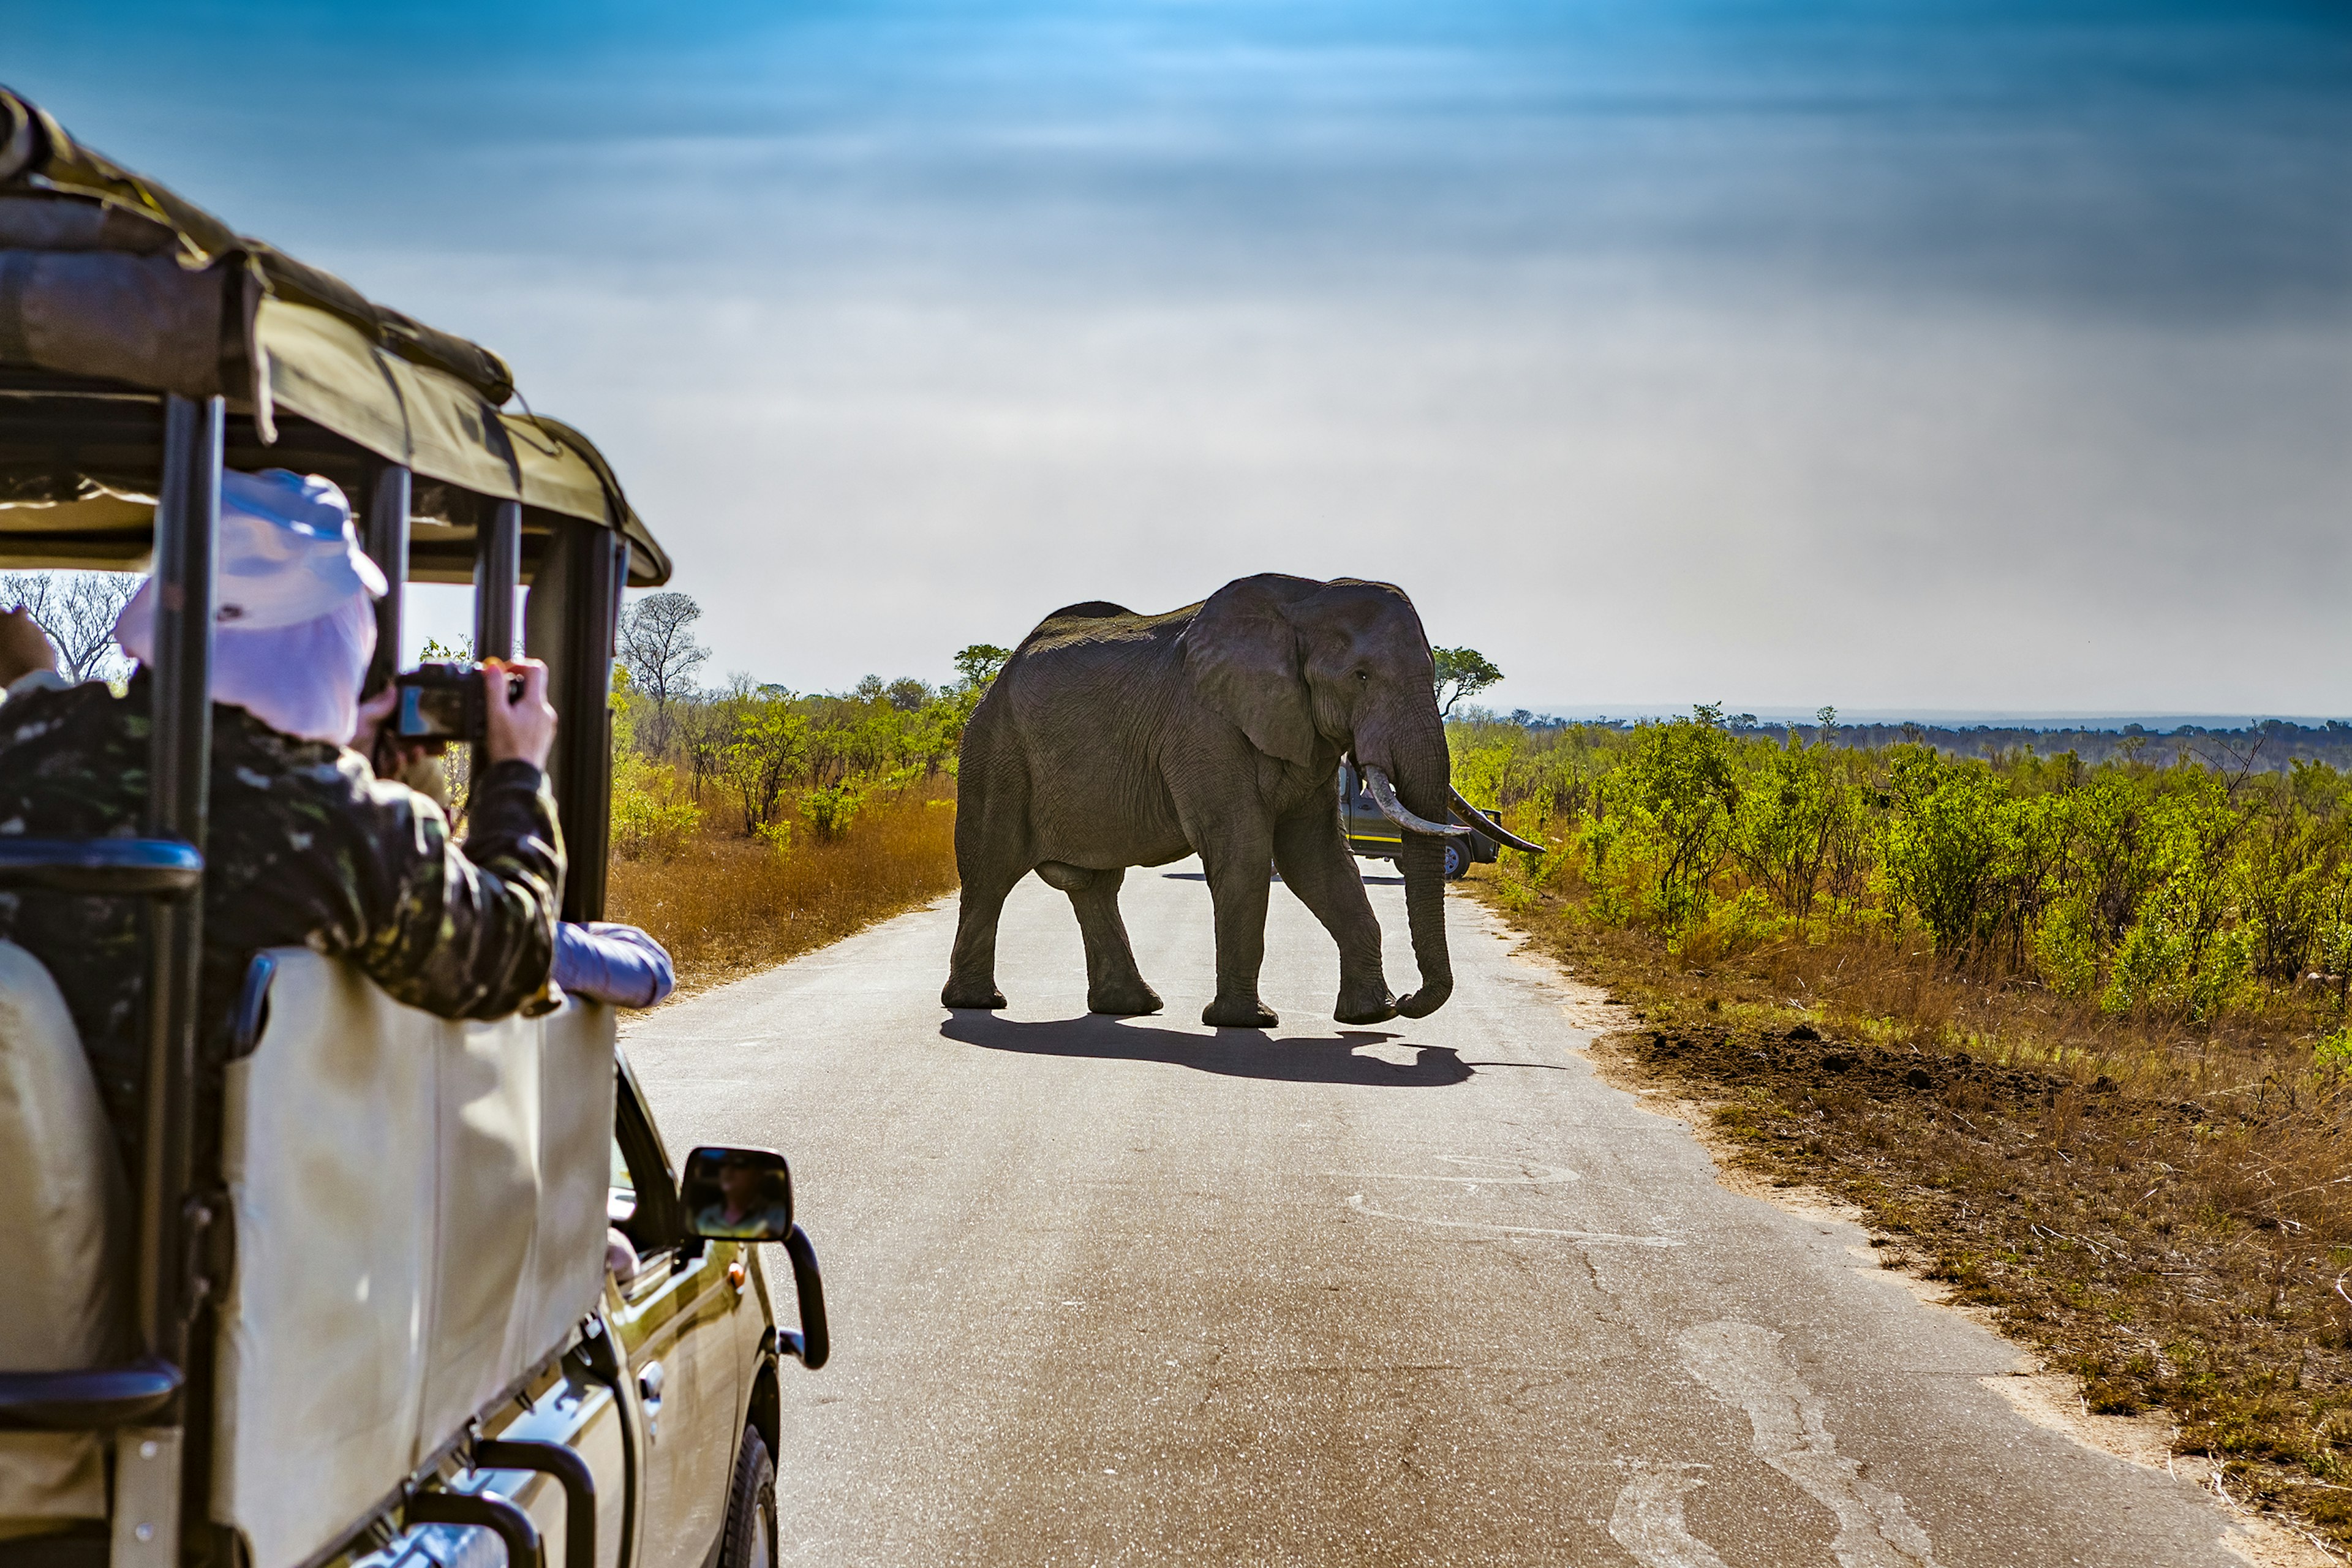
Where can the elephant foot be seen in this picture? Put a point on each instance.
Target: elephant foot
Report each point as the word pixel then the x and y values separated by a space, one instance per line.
pixel 1366 1008
pixel 1127 1001
pixel 985 997
pixel 1239 1013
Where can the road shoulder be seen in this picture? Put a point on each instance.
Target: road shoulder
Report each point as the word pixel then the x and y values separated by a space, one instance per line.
pixel 2048 1396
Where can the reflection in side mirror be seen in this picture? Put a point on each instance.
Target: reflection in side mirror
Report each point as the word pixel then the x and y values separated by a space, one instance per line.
pixel 738 1194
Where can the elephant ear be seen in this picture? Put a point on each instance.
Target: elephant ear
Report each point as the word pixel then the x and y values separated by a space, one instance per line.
pixel 1242 652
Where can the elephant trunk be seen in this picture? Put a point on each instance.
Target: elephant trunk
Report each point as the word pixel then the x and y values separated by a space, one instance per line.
pixel 1424 860
pixel 1424 788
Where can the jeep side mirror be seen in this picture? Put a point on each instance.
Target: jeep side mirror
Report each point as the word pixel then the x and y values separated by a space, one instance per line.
pixel 738 1194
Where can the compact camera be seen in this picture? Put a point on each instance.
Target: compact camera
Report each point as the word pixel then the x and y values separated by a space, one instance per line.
pixel 447 702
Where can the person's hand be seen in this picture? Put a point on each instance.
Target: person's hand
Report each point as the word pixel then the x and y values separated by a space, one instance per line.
pixel 23 647
pixel 522 729
pixel 375 712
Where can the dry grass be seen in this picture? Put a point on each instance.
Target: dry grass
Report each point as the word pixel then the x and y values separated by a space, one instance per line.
pixel 729 905
pixel 2162 1208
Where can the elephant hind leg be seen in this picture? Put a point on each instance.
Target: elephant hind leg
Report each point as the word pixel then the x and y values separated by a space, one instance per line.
pixel 971 970
pixel 1113 984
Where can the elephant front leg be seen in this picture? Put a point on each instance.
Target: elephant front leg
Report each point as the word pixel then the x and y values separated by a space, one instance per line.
pixel 1237 870
pixel 1312 855
pixel 1113 984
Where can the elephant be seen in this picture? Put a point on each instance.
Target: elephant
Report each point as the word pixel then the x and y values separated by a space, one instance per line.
pixel 1111 739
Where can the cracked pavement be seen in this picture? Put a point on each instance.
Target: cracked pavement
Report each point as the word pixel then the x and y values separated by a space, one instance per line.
pixel 1136 1290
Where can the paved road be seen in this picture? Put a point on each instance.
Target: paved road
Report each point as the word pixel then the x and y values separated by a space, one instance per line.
pixel 1136 1290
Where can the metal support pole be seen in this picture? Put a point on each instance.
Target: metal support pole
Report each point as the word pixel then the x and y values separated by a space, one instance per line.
pixel 187 525
pixel 570 1472
pixel 571 620
pixel 485 1512
pixel 388 546
pixel 187 529
pixel 498 571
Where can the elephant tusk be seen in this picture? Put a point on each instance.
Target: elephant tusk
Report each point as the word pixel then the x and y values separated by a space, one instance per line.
pixel 1489 828
pixel 1384 795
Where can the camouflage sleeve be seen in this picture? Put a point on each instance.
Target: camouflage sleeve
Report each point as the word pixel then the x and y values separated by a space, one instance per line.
pixel 464 934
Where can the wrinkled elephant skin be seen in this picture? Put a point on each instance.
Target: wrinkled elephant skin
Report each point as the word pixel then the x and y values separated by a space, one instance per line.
pixel 1112 739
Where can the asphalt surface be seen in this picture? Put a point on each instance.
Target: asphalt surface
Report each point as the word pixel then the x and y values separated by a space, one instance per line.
pixel 1132 1290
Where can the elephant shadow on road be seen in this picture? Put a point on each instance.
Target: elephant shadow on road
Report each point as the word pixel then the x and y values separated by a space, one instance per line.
pixel 1232 1053
pixel 1203 876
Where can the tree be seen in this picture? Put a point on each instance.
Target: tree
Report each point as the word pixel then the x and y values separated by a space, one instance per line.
pixel 77 610
pixel 661 654
pixel 1681 787
pixel 1466 670
pixel 909 695
pixel 757 743
pixel 979 664
pixel 701 730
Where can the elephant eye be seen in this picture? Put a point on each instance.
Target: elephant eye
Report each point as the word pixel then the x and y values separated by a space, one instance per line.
pixel 1363 675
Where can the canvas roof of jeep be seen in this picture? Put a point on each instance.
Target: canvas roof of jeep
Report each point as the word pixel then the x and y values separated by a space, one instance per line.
pixel 112 284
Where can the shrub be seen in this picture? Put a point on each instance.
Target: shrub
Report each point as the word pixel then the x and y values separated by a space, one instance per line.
pixel 2066 950
pixel 2185 890
pixel 711 789
pixel 1677 789
pixel 1791 820
pixel 830 810
pixel 765 742
pixel 730 905
pixel 650 819
pixel 2333 1052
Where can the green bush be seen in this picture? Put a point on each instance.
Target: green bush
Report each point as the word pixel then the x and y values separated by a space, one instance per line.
pixel 2333 1052
pixel 1678 794
pixel 1793 824
pixel 652 820
pixel 2184 890
pixel 831 810
pixel 2066 950
pixel 649 822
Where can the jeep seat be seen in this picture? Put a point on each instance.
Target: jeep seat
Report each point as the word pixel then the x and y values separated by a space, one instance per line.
pixel 65 1241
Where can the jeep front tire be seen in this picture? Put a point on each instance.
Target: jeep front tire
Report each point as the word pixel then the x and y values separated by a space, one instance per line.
pixel 751 1540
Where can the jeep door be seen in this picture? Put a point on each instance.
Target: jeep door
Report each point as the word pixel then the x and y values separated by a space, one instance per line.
pixel 676 1325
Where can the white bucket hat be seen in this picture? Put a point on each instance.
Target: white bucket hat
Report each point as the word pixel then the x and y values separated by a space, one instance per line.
pixel 295 625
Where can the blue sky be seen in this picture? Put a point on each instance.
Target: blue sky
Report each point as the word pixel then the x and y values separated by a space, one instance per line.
pixel 1887 355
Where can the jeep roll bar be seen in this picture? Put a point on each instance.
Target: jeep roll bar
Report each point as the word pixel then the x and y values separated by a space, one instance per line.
pixel 143 346
pixel 166 866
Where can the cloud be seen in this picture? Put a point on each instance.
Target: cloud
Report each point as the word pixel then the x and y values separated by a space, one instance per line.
pixel 1956 356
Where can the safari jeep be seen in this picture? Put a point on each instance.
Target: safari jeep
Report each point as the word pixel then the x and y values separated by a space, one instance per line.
pixel 386 1289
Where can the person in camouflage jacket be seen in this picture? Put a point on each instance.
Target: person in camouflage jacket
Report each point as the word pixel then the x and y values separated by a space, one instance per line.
pixel 305 846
